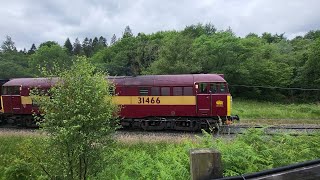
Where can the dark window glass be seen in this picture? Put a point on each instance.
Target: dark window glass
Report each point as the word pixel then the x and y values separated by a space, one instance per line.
pixel 223 88
pixel 9 90
pixel 4 90
pixel 213 88
pixel 155 91
pixel 203 88
pixel 143 91
pixel 187 91
pixel 16 90
pixel 177 91
pixel 165 91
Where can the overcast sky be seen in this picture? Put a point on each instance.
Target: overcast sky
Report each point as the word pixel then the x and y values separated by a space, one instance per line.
pixel 36 21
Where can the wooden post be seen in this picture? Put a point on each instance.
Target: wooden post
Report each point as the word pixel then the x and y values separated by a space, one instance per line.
pixel 205 164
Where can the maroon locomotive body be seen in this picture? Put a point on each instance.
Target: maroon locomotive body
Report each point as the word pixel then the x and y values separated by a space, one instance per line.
pixel 183 102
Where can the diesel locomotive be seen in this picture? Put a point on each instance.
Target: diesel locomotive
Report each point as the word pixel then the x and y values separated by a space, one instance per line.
pixel 188 102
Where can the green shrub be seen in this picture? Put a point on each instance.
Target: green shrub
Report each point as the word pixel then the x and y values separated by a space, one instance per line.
pixel 147 161
pixel 19 170
pixel 255 150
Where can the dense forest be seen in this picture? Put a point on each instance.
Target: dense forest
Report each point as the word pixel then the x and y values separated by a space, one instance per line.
pixel 266 67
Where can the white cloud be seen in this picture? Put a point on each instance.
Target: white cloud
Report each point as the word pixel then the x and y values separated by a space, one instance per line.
pixel 36 21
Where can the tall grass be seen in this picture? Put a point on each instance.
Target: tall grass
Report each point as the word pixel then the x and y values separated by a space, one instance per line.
pixel 247 109
pixel 249 152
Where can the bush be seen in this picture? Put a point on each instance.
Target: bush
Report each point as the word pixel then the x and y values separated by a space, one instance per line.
pixel 19 170
pixel 255 151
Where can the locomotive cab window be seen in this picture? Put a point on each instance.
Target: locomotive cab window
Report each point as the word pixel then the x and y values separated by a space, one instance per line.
pixel 4 90
pixel 213 88
pixel 223 88
pixel 11 90
pixel 143 91
pixel 203 88
pixel 16 90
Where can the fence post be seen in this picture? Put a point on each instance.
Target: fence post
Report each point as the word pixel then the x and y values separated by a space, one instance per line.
pixel 205 164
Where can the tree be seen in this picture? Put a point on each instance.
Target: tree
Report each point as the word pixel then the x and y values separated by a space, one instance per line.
pixel 309 73
pixel 49 44
pixel 113 39
pixel 50 58
pixel 68 46
pixel 87 47
pixel 252 35
pixel 14 64
pixel 273 38
pixel 79 120
pixel 98 44
pixel 77 47
pixel 217 51
pixel 95 44
pixel 103 41
pixel 13 70
pixel 8 45
pixel 175 56
pixel 313 35
pixel 127 32
pixel 32 49
pixel 199 29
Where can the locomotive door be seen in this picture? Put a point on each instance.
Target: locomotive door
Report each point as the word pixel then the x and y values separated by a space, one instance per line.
pixel 15 99
pixel 204 100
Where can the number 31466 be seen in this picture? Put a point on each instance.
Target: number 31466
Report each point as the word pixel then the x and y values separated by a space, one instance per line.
pixel 148 100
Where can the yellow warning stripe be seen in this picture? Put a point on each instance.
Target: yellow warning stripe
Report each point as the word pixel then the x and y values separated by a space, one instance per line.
pixel 142 100
pixel 155 100
pixel 229 105
pixel 2 109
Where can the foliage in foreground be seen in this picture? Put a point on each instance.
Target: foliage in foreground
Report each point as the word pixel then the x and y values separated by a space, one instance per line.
pixel 79 118
pixel 250 152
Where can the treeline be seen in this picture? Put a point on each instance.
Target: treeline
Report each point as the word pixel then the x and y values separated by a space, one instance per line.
pixel 267 60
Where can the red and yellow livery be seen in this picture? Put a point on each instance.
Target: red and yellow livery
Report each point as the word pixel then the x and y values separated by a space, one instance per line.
pixel 182 102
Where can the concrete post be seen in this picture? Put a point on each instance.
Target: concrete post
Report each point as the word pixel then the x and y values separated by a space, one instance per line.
pixel 205 164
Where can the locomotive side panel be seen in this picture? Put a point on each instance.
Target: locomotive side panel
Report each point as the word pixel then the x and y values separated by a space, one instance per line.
pixel 148 106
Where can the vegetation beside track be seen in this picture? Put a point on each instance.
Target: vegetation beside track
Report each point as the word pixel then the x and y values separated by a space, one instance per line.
pixel 127 159
pixel 276 113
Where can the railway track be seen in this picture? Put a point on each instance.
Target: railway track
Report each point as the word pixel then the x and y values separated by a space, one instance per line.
pixel 224 130
pixel 291 129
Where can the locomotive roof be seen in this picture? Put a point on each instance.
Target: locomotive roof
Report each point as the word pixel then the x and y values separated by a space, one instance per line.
pixel 32 82
pixel 166 80
pixel 148 80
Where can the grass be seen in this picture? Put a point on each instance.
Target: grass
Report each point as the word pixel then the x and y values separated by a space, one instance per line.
pixel 276 113
pixel 136 158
